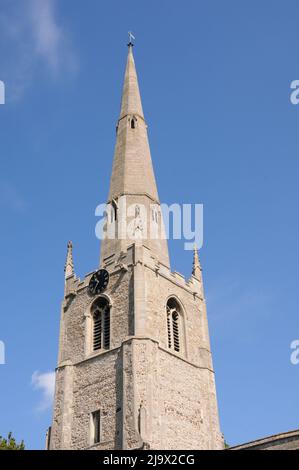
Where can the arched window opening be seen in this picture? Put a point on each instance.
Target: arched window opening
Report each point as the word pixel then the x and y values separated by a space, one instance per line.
pixel 114 209
pixel 97 331
pixel 174 328
pixel 169 331
pixel 132 123
pixel 96 427
pixel 101 324
pixel 176 333
pixel 106 329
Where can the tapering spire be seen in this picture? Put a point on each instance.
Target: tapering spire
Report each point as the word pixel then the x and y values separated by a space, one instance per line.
pixel 69 265
pixel 132 171
pixel 133 178
pixel 131 101
pixel 196 268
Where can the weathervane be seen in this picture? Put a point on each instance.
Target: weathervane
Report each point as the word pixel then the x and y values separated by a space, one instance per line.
pixel 131 37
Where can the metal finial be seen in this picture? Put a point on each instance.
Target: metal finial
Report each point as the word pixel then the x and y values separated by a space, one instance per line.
pixel 131 38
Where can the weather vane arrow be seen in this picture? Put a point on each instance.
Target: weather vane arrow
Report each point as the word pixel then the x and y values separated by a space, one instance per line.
pixel 131 37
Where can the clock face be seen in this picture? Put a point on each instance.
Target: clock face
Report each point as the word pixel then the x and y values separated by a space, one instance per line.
pixel 98 282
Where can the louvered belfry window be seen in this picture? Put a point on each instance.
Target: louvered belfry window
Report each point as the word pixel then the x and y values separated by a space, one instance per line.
pixel 101 324
pixel 174 325
pixel 97 330
pixel 106 328
pixel 176 332
pixel 169 330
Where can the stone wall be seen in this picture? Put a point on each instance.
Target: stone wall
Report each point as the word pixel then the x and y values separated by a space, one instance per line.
pixel 87 380
pixel 284 441
pixel 178 400
pixel 146 392
pixel 98 386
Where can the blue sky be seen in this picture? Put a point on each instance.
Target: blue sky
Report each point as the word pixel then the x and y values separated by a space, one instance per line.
pixel 215 80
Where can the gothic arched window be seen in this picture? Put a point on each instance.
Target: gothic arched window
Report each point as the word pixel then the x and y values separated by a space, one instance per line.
pixel 101 324
pixel 133 121
pixel 174 325
pixel 114 209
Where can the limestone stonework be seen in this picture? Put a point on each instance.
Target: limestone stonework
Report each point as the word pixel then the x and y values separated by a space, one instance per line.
pixel 283 441
pixel 150 394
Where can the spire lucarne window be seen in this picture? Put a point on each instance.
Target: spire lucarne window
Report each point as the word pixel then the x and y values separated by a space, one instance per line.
pixel 101 324
pixel 174 330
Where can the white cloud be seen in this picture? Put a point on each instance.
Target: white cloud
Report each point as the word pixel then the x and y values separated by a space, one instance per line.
pixel 45 382
pixel 32 36
pixel 49 38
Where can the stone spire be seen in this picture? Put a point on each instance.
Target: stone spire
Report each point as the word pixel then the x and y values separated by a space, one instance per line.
pixel 131 101
pixel 196 268
pixel 132 171
pixel 69 265
pixel 133 178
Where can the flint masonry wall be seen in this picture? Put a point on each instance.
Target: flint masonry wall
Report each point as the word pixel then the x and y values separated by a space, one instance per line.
pixel 146 393
pixel 195 333
pixel 87 381
pixel 98 385
pixel 178 399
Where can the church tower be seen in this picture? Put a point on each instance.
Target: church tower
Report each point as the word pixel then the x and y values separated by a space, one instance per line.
pixel 134 368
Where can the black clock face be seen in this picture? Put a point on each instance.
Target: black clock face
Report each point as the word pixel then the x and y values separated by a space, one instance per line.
pixel 99 282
